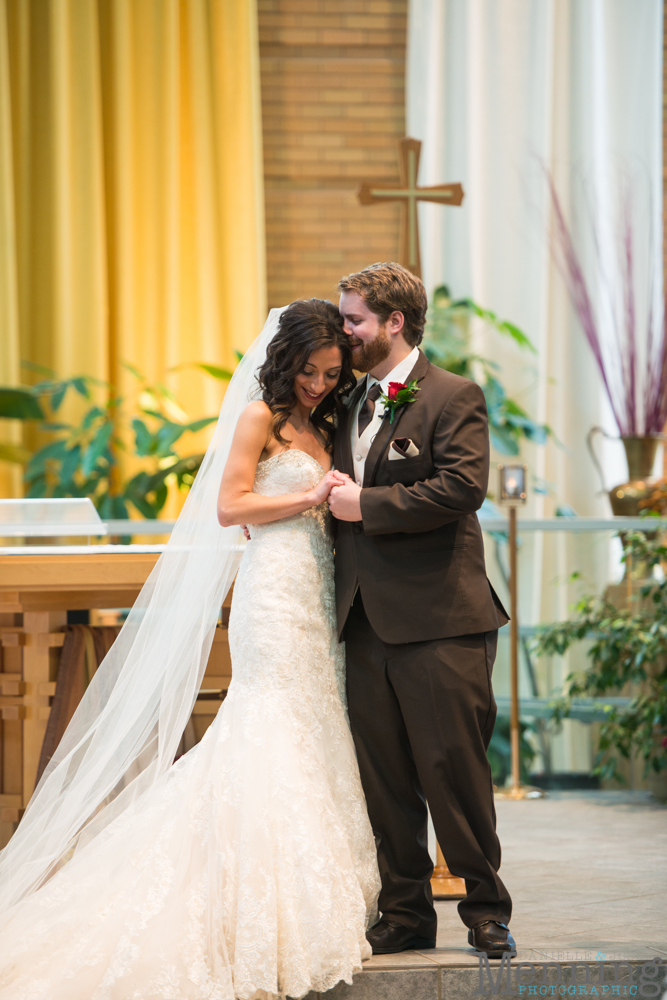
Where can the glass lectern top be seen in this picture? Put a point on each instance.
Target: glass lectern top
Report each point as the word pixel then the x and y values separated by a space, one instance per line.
pixel 50 516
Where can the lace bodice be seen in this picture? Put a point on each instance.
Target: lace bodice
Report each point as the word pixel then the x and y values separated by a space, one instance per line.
pixel 250 869
pixel 291 471
pixel 287 565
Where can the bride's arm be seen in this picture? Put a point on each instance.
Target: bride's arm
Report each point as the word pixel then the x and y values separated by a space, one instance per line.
pixel 237 504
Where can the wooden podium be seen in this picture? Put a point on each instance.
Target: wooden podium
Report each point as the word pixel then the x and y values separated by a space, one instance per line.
pixel 444 885
pixel 36 592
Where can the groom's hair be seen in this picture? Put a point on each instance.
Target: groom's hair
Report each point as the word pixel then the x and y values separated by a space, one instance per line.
pixel 388 288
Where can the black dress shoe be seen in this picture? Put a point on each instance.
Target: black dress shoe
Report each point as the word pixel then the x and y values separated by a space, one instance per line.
pixel 388 937
pixel 493 938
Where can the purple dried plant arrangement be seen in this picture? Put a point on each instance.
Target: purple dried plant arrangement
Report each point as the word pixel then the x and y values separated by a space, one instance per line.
pixel 635 380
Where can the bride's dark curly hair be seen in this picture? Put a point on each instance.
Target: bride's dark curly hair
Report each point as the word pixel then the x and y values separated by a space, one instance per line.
pixel 305 326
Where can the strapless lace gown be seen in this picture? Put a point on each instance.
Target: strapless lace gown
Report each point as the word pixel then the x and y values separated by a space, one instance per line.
pixel 251 866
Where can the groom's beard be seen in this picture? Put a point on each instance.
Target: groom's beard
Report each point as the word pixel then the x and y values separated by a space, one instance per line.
pixel 371 353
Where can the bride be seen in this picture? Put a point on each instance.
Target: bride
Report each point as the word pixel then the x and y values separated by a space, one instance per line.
pixel 247 867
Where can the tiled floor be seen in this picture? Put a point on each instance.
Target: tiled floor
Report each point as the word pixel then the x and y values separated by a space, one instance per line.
pixel 588 876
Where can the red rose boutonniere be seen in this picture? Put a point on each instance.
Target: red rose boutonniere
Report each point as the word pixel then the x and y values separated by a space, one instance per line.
pixel 398 394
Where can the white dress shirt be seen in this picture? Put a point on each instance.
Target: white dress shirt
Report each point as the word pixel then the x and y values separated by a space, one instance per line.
pixel 361 445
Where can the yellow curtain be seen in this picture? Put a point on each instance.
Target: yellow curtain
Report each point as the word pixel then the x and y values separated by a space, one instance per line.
pixel 131 199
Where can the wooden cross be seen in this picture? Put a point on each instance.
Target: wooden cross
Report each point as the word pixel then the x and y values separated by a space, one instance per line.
pixel 409 193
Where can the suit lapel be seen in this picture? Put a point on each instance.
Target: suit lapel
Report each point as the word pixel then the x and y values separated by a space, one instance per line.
pixel 387 429
pixel 345 430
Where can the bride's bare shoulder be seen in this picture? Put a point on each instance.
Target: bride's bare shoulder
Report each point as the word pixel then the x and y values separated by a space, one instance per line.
pixel 256 415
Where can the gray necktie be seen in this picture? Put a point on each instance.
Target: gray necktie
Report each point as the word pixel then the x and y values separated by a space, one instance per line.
pixel 368 409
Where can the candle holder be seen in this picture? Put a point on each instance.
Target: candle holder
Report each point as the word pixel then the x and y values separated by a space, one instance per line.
pixel 513 493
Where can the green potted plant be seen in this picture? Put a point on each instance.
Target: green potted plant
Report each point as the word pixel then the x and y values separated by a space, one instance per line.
pixel 80 459
pixel 627 652
pixel 446 344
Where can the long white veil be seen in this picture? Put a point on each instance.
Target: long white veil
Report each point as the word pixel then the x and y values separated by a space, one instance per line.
pixel 125 733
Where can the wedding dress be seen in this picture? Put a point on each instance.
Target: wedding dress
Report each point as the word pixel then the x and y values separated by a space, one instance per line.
pixel 250 867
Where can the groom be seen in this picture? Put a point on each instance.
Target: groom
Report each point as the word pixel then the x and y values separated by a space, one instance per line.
pixel 419 618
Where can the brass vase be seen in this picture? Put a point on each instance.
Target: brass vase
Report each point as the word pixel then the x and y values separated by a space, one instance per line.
pixel 640 453
pixel 625 502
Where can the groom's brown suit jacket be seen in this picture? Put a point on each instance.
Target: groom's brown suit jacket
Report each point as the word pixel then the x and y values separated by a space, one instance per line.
pixel 417 554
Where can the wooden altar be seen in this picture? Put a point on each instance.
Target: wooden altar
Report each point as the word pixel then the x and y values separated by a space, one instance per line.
pixel 38 586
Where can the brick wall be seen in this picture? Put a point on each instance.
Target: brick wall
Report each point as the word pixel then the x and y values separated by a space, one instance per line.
pixel 333 107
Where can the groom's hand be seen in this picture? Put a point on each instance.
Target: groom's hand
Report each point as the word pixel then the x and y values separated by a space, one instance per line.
pixel 344 501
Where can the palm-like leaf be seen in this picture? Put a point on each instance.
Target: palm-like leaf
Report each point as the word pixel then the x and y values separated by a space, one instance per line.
pixel 19 403
pixel 446 345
